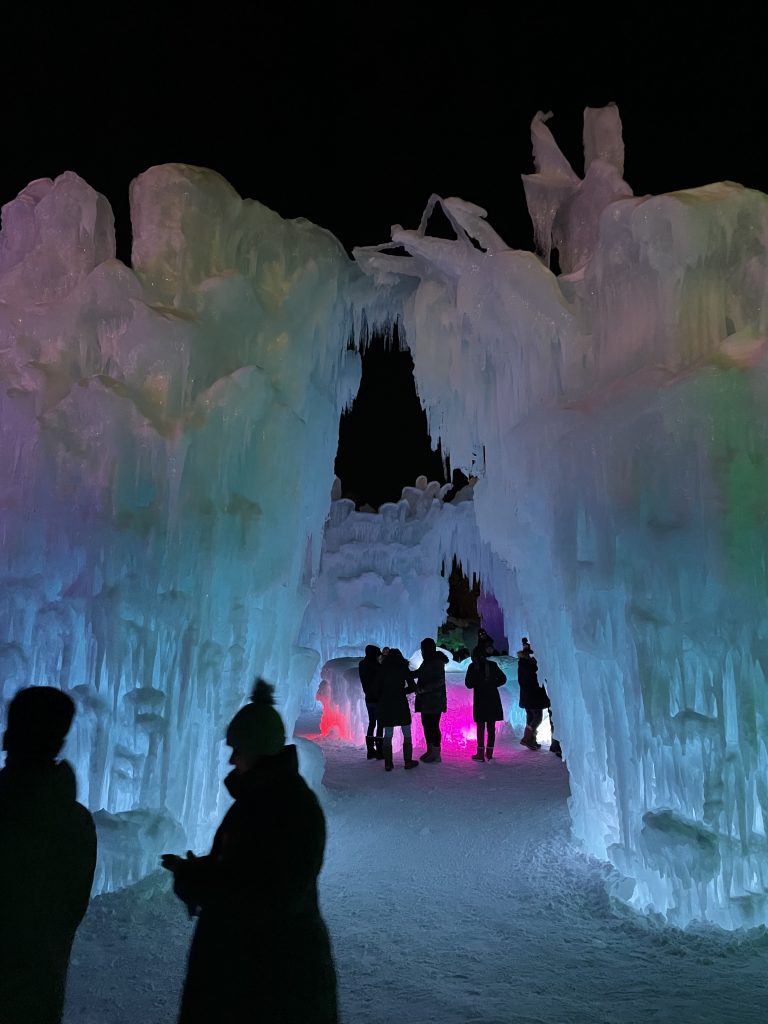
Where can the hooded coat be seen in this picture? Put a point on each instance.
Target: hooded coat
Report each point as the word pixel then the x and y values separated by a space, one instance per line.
pixel 533 696
pixel 484 678
pixel 47 861
pixel 261 951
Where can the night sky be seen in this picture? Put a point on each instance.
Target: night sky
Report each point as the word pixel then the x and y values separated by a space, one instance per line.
pixel 352 115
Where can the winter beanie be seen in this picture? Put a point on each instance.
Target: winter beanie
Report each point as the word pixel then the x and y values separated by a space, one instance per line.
pixel 258 728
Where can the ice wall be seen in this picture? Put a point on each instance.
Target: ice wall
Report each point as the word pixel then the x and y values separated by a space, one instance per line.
pixel 621 408
pixel 379 580
pixel 167 437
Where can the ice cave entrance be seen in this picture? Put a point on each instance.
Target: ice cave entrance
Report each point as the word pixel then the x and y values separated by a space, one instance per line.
pixel 401 557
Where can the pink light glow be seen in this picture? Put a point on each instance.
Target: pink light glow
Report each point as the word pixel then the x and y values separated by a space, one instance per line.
pixel 457 724
pixel 335 722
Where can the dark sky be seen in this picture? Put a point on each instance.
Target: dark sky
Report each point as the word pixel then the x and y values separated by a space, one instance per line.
pixel 353 114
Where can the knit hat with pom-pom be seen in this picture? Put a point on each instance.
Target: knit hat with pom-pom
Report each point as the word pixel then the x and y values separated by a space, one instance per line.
pixel 258 728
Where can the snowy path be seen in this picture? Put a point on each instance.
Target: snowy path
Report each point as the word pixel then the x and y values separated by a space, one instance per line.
pixel 453 895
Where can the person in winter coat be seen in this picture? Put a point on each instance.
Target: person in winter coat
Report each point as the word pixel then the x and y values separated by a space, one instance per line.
pixel 259 926
pixel 47 858
pixel 485 640
pixel 431 697
pixel 370 678
pixel 396 684
pixel 484 678
pixel 533 696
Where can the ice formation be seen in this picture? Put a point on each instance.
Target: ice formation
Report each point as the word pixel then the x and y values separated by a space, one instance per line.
pixel 379 578
pixel 167 437
pixel 379 581
pixel 620 407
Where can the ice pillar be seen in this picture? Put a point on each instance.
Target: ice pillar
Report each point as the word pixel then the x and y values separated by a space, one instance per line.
pixel 167 437
pixel 620 413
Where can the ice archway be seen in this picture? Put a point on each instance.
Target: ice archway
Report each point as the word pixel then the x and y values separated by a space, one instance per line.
pixel 167 435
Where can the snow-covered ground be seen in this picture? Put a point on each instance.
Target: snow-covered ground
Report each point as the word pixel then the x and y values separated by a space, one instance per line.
pixel 453 894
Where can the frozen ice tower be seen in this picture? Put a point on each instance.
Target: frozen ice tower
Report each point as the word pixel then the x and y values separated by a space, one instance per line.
pixel 167 437
pixel 621 410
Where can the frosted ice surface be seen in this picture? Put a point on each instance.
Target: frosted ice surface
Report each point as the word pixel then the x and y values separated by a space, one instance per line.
pixel 380 580
pixel 621 414
pixel 566 211
pixel 167 437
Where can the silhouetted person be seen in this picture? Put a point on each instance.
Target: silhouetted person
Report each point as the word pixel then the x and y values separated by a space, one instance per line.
pixel 370 678
pixel 484 678
pixel 261 950
pixel 533 696
pixel 486 641
pixel 431 697
pixel 396 683
pixel 47 858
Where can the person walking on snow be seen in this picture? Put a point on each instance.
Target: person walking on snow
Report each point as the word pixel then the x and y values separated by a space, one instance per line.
pixel 369 670
pixel 533 696
pixel 484 678
pixel 431 697
pixel 393 710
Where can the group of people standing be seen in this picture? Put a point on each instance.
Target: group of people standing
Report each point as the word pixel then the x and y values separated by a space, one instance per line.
pixel 387 680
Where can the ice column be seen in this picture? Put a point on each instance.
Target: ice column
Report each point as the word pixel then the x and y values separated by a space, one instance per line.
pixel 620 410
pixel 167 437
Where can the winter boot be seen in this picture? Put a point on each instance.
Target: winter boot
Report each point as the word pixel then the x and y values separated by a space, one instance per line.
pixel 379 748
pixel 370 745
pixel 529 739
pixel 429 754
pixel 489 753
pixel 436 759
pixel 388 766
pixel 555 748
pixel 408 761
pixel 479 755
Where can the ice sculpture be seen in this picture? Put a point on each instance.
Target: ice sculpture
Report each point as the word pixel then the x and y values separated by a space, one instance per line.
pixel 620 408
pixel 167 437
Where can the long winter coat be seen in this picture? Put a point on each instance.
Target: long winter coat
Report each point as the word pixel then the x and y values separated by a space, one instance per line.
pixel 370 678
pixel 484 678
pixel 396 683
pixel 261 950
pixel 47 860
pixel 533 696
pixel 431 696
